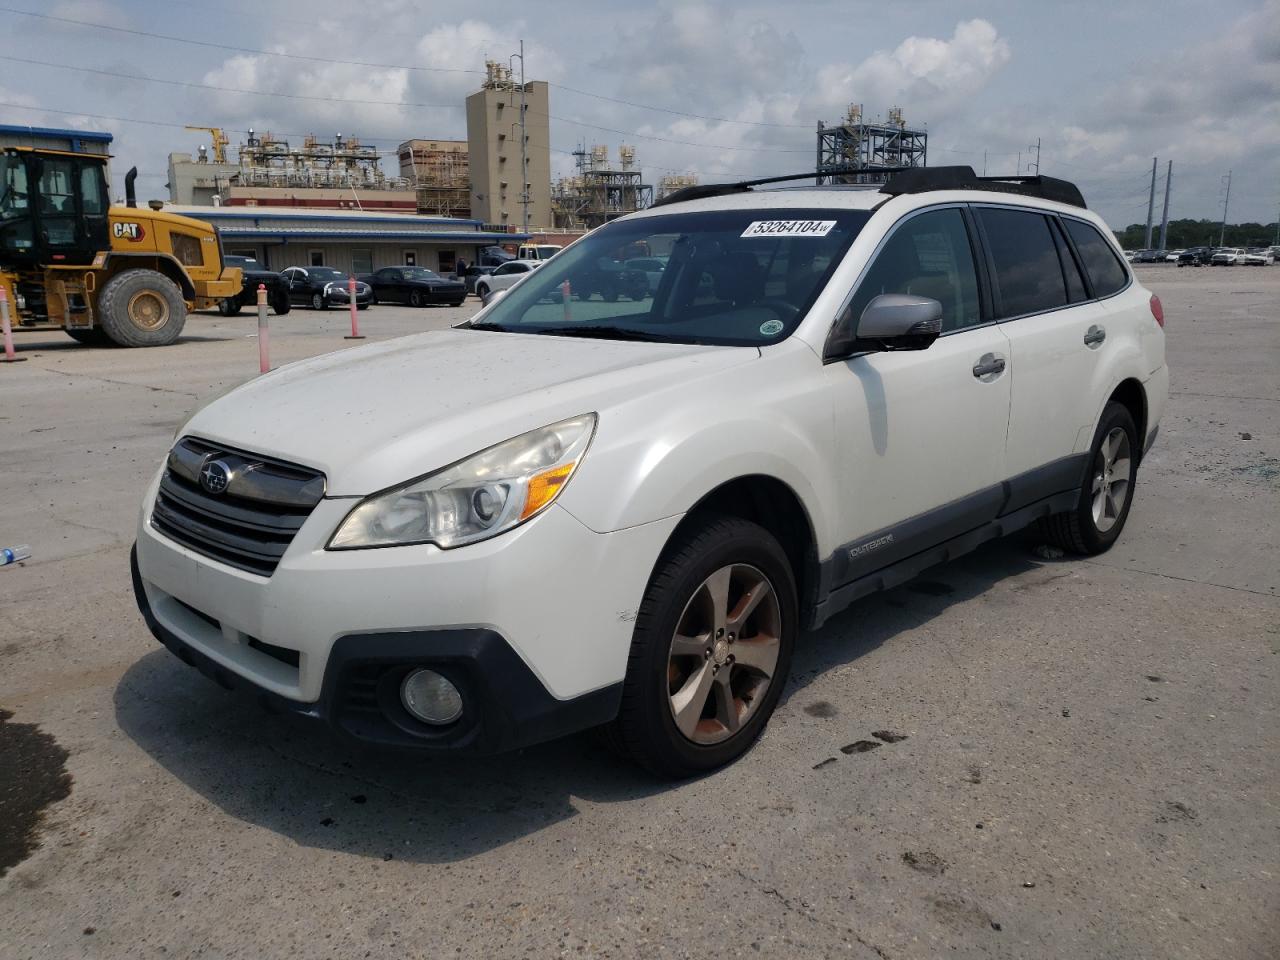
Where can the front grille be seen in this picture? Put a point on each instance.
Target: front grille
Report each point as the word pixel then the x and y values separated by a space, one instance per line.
pixel 248 524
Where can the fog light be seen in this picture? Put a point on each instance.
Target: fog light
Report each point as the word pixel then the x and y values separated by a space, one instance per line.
pixel 430 697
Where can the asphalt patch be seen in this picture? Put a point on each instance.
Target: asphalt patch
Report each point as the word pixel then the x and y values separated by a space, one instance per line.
pixel 822 709
pixel 926 862
pixel 888 736
pixel 33 775
pixel 860 746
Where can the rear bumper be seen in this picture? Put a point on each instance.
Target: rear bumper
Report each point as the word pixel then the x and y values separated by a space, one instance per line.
pixel 505 705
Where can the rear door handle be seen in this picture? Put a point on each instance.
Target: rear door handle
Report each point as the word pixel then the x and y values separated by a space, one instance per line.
pixel 1094 336
pixel 988 367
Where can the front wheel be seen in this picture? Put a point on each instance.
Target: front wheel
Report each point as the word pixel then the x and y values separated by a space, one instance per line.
pixel 229 307
pixel 1106 493
pixel 141 308
pixel 318 302
pixel 415 298
pixel 711 649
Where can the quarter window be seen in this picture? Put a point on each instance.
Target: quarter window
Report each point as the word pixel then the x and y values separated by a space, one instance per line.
pixel 1028 274
pixel 1104 267
pixel 928 256
pixel 1070 272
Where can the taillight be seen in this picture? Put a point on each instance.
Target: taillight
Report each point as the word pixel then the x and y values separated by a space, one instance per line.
pixel 1157 310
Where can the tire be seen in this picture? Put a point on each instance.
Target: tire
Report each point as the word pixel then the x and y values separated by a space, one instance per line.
pixel 229 307
pixel 373 297
pixel 141 308
pixel 1084 529
pixel 415 298
pixel 482 291
pixel 281 305
pixel 319 302
pixel 362 306
pixel 680 598
pixel 95 337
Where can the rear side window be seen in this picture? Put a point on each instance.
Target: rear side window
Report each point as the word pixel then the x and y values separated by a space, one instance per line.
pixel 1104 267
pixel 1028 273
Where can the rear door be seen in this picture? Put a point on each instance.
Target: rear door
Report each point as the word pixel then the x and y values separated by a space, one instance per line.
pixel 1056 337
pixel 920 434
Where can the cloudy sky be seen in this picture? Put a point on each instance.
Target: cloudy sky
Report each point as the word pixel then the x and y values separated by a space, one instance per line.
pixel 719 89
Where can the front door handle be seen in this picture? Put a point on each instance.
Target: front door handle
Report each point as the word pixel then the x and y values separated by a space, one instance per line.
pixel 1094 336
pixel 988 367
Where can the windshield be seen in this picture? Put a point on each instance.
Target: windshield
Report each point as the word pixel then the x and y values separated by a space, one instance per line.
pixel 420 273
pixel 242 262
pixel 326 273
pixel 733 277
pixel 15 212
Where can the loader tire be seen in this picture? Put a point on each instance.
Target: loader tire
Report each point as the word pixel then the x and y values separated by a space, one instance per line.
pixel 142 308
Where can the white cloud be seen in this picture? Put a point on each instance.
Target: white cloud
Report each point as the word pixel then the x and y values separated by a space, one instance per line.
pixel 922 73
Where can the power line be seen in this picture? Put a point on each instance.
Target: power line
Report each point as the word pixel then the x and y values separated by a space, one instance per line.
pixel 387 66
pixel 387 103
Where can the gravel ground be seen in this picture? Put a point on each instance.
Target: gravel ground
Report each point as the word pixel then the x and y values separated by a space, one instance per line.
pixel 1008 757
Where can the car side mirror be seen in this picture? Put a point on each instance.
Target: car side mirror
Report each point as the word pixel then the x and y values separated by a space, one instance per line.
pixel 892 321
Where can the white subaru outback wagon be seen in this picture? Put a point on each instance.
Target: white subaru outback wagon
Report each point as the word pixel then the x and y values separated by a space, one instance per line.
pixel 571 511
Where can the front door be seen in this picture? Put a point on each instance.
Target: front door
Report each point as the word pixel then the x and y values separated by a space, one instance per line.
pixel 920 434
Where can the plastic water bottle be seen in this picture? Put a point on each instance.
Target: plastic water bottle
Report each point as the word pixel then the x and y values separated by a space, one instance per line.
pixel 10 555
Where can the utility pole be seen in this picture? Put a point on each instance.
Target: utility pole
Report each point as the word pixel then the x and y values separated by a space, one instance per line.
pixel 984 167
pixel 524 147
pixel 1222 235
pixel 1036 148
pixel 1164 219
pixel 1151 203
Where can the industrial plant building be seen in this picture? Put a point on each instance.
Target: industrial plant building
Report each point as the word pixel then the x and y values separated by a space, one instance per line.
pixel 351 241
pixel 499 143
pixel 440 174
pixel 857 151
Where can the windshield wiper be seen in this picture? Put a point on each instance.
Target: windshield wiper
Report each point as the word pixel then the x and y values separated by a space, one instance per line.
pixel 487 326
pixel 600 331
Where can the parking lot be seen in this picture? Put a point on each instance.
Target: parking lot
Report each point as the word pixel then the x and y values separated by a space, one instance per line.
pixel 1012 756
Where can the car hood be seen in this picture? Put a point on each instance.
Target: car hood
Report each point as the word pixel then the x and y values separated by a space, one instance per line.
pixel 378 415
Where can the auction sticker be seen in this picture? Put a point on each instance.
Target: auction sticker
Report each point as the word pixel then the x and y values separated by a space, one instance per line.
pixel 771 328
pixel 789 228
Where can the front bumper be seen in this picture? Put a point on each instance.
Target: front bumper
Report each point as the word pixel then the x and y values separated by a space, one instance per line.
pixel 543 613
pixel 505 705
pixel 340 296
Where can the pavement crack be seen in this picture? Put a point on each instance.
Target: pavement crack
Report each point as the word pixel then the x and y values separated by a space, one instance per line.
pixel 1170 576
pixel 119 383
pixel 774 894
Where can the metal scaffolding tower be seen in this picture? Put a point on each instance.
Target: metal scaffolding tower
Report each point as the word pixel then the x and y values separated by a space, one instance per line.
pixel 598 193
pixel 858 152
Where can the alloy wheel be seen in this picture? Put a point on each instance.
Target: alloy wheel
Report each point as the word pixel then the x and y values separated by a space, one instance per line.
pixel 724 653
pixel 1111 471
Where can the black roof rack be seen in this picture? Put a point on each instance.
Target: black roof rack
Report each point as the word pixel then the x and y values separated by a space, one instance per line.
pixel 703 190
pixel 904 180
pixel 928 179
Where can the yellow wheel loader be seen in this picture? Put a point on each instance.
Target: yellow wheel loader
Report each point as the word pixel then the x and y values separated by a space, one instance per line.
pixel 105 274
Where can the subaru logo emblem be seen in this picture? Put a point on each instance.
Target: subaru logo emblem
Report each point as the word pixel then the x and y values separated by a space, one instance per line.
pixel 214 476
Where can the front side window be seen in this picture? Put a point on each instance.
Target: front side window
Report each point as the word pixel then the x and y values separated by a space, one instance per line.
pixel 1027 272
pixel 929 256
pixel 15 210
pixel 731 277
pixel 1104 267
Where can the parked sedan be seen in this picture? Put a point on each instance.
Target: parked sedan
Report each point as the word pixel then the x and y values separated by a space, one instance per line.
pixel 323 287
pixel 505 276
pixel 416 286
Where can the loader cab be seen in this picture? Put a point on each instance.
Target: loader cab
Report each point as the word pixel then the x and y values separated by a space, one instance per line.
pixel 53 207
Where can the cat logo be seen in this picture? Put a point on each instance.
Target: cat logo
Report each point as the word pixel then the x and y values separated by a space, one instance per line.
pixel 128 231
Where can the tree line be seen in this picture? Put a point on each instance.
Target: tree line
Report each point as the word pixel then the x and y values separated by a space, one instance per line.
pixel 1199 233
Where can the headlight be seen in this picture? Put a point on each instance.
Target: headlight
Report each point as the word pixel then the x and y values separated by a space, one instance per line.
pixel 475 499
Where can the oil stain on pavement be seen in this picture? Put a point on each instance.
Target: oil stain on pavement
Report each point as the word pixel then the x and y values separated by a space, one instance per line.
pixel 33 775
